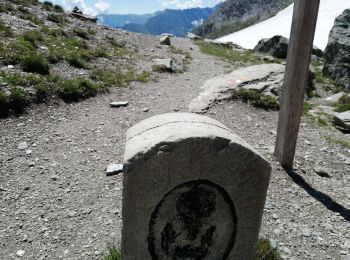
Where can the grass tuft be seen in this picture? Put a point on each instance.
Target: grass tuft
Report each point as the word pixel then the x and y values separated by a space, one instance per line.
pixel 256 98
pixel 36 63
pixel 342 142
pixel 5 30
pixel 57 18
pixel 113 253
pixel 343 104
pixel 229 54
pixel 72 90
pixel 265 251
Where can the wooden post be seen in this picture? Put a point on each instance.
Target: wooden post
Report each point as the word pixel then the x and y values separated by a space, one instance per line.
pixel 296 75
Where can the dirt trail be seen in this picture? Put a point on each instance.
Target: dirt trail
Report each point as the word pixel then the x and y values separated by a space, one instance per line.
pixel 57 203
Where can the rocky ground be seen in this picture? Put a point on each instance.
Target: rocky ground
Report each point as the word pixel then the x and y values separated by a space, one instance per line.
pixel 56 201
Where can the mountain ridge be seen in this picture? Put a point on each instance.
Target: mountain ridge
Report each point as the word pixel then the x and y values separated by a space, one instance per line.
pixel 175 21
pixel 234 15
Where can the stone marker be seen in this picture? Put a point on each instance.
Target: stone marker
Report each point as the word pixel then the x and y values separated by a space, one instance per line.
pixel 192 190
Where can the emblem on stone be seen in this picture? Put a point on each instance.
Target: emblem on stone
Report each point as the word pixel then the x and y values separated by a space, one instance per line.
pixel 195 220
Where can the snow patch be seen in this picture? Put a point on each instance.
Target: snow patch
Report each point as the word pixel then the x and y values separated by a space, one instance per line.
pixel 281 25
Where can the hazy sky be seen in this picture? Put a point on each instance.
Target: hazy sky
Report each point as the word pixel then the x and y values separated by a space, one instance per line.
pixel 94 7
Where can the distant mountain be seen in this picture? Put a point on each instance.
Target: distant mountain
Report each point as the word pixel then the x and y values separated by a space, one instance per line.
pixel 119 20
pixel 176 22
pixel 234 15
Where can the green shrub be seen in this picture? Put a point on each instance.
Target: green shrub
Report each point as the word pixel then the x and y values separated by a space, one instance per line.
pixel 82 33
pixel 34 62
pixel 4 104
pixel 78 61
pixel 113 253
pixel 246 56
pixel 256 98
pixel 102 53
pixel 41 91
pixel 34 37
pixel 54 57
pixel 47 5
pixel 5 30
pixel 265 251
pixel 306 108
pixel 58 9
pixel 79 88
pixel 17 99
pixel 144 76
pixel 31 18
pixel 343 104
pixel 56 18
pixel 6 8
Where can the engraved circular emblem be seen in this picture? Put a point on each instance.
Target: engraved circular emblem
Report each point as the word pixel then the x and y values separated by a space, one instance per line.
pixel 195 221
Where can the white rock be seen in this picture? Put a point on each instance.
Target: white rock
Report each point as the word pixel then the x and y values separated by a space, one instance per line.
pixel 335 98
pixel 119 104
pixel 22 146
pixel 114 169
pixel 20 253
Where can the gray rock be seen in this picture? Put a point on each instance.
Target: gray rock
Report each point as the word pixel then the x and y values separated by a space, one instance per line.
pixel 323 172
pixel 220 87
pixel 169 64
pixel 22 146
pixel 337 53
pixel 192 36
pixel 114 169
pixel 165 40
pixel 335 98
pixel 306 232
pixel 119 104
pixel 268 58
pixel 342 120
pixel 276 46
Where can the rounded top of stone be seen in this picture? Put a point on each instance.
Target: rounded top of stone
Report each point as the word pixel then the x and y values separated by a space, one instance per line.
pixel 150 134
pixel 170 118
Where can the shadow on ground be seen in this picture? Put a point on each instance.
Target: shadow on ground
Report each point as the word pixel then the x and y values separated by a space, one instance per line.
pixel 320 196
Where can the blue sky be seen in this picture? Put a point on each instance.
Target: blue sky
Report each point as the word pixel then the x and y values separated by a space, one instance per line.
pixel 94 7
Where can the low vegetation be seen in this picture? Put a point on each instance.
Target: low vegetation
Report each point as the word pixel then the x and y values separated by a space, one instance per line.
pixel 317 67
pixel 229 54
pixel 338 141
pixel 264 251
pixel 113 253
pixel 256 98
pixel 306 108
pixel 343 104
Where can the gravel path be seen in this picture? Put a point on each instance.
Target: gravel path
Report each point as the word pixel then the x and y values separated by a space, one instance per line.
pixel 57 203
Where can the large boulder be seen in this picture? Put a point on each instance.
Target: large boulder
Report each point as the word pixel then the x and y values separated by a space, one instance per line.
pixel 277 46
pixel 342 120
pixel 337 53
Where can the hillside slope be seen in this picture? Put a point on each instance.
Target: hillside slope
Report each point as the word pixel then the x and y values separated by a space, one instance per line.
pixel 281 25
pixel 234 15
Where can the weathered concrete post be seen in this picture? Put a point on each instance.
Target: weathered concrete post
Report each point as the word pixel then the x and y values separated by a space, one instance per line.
pixel 192 190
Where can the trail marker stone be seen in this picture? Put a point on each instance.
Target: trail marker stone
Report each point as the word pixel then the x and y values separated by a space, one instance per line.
pixel 192 190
